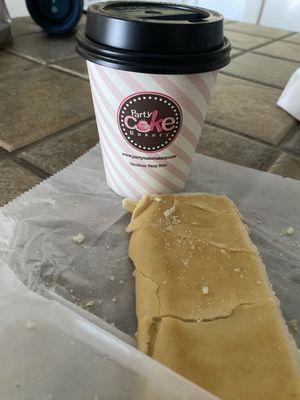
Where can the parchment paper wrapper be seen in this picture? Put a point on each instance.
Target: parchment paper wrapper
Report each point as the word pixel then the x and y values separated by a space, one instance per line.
pixel 48 352
pixel 36 230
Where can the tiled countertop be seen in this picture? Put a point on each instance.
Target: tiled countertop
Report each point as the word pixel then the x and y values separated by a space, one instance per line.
pixel 47 118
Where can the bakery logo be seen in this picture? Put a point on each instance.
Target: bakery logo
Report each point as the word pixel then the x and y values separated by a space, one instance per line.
pixel 149 121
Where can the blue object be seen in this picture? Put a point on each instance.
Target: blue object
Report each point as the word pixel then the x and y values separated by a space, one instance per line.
pixel 55 16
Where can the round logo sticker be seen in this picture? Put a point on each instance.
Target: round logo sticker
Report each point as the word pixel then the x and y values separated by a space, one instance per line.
pixel 149 121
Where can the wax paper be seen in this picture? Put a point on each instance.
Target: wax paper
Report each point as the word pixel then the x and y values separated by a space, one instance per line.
pixel 48 352
pixel 36 231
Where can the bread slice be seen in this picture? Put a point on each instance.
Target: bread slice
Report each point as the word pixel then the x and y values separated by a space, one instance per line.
pixel 204 305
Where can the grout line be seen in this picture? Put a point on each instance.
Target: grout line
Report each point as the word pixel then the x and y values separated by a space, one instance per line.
pixel 243 51
pixel 49 65
pixel 280 146
pixel 63 59
pixel 240 50
pixel 288 135
pixel 33 59
pixel 30 167
pixel 280 151
pixel 269 161
pixel 229 21
pixel 256 35
pixel 285 140
pixel 272 39
pixel 287 35
pixel 68 71
pixel 277 149
pixel 291 152
pixel 9 51
pixel 290 42
pixel 54 134
pixel 233 56
pixel 237 133
pixel 248 33
pixel 4 154
pixel 26 34
pixel 224 72
pixel 277 57
pixel 254 47
pixel 25 193
pixel 267 164
pixel 251 80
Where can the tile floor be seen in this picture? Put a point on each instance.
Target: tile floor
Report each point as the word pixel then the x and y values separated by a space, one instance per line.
pixel 47 120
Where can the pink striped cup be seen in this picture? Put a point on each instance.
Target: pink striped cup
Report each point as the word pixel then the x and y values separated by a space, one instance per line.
pixel 150 106
pixel 149 127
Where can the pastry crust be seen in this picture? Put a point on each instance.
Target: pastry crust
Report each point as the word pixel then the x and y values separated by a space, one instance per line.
pixel 246 356
pixel 201 244
pixel 204 305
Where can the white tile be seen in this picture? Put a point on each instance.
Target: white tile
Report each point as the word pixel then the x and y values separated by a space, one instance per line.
pixel 17 8
pixel 242 10
pixel 283 14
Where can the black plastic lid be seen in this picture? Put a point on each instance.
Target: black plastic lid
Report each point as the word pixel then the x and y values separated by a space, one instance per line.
pixel 150 37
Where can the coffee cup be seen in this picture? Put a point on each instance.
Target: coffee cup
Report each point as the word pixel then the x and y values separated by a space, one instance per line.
pixel 152 70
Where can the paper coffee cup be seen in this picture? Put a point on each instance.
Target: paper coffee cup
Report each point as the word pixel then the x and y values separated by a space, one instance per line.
pixel 150 105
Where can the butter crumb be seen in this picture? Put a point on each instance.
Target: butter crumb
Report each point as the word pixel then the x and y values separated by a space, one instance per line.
pixel 169 211
pixel 293 324
pixel 290 230
pixel 287 231
pixel 79 238
pixel 30 324
pixel 205 290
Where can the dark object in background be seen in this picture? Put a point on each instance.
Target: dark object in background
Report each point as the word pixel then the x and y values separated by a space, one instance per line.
pixel 5 34
pixel 55 16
